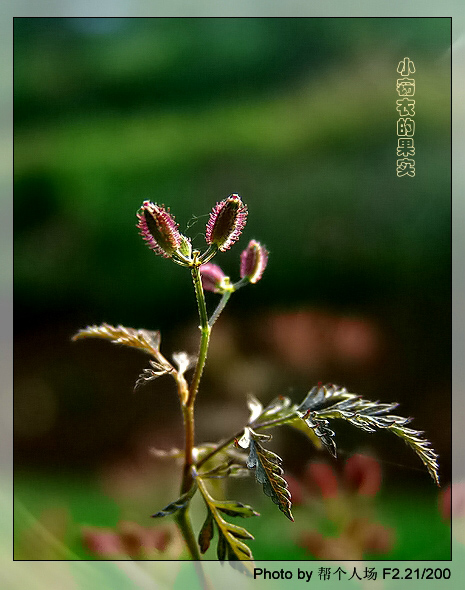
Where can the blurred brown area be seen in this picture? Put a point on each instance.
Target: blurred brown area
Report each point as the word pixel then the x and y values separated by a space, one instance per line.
pixel 75 406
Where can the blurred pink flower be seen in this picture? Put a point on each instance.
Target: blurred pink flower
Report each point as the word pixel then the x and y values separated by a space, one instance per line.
pixel 129 539
pixel 313 341
pixel 323 476
pixel 359 537
pixel 358 533
pixel 102 542
pixel 451 501
pixel 362 473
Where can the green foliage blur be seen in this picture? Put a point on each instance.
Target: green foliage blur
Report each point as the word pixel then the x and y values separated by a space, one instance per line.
pixel 296 115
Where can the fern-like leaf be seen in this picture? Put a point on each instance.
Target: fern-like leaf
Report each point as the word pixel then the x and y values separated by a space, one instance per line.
pixel 233 508
pixel 231 537
pixel 156 369
pixel 206 532
pixel 325 403
pixel 268 470
pixel 320 428
pixel 146 340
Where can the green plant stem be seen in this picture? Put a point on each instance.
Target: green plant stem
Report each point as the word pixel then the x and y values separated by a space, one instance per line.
pixel 205 330
pixel 188 407
pixel 187 475
pixel 183 518
pixel 184 522
pixel 221 305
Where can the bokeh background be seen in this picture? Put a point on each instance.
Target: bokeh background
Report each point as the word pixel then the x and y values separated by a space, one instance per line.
pixel 296 115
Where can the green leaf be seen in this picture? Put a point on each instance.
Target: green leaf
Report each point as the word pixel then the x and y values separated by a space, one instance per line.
pixel 421 446
pixel 232 508
pixel 320 428
pixel 324 403
pixel 230 536
pixel 321 396
pixel 177 504
pixel 206 532
pixel 268 472
pixel 298 424
pixel 221 547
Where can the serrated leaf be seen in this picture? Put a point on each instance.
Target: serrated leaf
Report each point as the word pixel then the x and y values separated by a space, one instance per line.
pixel 322 395
pixel 221 547
pixel 317 409
pixel 230 536
pixel 320 428
pixel 156 370
pixel 146 340
pixel 298 424
pixel 181 502
pixel 422 448
pixel 268 472
pixel 232 508
pixel 396 425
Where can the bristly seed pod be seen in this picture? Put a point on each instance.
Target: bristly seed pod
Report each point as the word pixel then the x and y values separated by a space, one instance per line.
pixel 159 229
pixel 227 220
pixel 213 278
pixel 253 261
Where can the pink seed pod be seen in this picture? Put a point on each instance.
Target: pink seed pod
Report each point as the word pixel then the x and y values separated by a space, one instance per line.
pixel 212 277
pixel 227 220
pixel 159 229
pixel 253 261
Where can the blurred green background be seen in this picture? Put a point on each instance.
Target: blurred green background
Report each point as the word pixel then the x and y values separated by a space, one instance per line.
pixel 298 117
